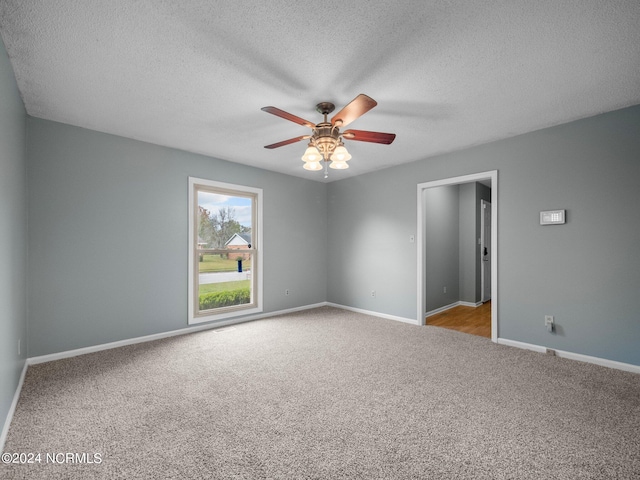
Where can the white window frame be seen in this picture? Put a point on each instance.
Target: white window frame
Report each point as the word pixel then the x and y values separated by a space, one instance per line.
pixel 256 265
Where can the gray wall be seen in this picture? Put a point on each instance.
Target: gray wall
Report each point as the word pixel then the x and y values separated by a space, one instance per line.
pixel 482 193
pixel 442 245
pixel 13 235
pixel 108 236
pixel 468 242
pixel 368 245
pixel 470 232
pixel 585 272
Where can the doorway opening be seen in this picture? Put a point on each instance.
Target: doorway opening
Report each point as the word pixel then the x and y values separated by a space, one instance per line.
pixel 449 290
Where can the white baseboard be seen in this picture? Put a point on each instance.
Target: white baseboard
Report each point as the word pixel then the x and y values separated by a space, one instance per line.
pixel 148 338
pixel 12 408
pixel 628 367
pixel 525 346
pixel 157 336
pixel 450 306
pixel 470 304
pixel 435 311
pixel 412 321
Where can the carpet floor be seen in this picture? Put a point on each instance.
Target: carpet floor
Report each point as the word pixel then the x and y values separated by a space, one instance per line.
pixel 325 394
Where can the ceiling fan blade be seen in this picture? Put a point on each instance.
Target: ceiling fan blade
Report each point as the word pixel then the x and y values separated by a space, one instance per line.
pixel 366 136
pixel 356 108
pixel 287 142
pixel 288 116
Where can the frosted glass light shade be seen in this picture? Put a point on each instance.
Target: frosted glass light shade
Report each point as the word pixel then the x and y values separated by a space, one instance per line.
pixel 338 165
pixel 311 154
pixel 340 154
pixel 312 166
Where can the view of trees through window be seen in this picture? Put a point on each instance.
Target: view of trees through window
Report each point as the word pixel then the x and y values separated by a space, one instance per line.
pixel 215 229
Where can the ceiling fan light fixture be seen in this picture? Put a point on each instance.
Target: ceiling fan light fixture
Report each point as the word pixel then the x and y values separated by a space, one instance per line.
pixel 311 154
pixel 339 164
pixel 313 166
pixel 325 142
pixel 340 154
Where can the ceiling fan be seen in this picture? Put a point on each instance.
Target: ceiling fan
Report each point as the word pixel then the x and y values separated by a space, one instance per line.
pixel 325 141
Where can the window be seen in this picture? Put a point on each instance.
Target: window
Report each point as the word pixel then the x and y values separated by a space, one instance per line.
pixel 225 262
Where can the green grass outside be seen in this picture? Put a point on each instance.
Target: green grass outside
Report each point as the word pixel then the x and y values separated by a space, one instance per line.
pixel 223 287
pixel 214 263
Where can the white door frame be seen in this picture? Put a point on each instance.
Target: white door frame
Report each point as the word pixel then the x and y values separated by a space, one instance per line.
pixel 475 177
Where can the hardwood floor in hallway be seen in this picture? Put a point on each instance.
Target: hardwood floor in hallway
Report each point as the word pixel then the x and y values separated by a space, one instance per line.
pixel 473 320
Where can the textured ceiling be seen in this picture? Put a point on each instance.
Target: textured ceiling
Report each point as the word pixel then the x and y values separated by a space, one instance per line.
pixel 446 74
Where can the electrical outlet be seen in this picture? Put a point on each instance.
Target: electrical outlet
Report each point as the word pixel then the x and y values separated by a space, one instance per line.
pixel 19 346
pixel 287 291
pixel 373 293
pixel 444 289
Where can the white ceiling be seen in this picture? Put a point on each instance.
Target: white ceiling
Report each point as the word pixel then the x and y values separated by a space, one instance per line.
pixel 446 74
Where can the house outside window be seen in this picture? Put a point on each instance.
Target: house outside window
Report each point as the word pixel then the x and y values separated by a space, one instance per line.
pixel 239 241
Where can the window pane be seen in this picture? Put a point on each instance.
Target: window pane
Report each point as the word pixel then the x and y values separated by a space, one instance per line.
pixel 224 280
pixel 224 220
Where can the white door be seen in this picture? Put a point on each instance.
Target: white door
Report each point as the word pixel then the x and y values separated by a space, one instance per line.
pixel 485 249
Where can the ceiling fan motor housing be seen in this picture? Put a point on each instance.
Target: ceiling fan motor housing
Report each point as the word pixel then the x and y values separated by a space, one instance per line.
pixel 325 138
